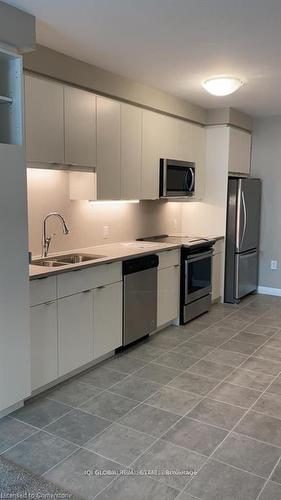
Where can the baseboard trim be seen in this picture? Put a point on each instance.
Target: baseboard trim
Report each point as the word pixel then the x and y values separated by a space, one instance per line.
pixel 265 290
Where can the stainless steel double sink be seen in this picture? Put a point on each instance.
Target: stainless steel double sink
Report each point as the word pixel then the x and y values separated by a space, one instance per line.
pixel 64 260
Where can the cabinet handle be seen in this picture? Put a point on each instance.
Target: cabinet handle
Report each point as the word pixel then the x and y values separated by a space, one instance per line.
pixel 100 287
pixel 49 303
pixel 87 291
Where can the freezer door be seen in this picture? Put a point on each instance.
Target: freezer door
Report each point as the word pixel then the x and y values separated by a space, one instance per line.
pixel 246 273
pixel 248 214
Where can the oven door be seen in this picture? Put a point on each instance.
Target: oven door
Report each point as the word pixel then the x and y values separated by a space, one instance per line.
pixel 198 276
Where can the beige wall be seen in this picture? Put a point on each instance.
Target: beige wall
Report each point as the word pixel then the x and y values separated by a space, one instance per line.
pixel 67 69
pixel 48 192
pixel 266 164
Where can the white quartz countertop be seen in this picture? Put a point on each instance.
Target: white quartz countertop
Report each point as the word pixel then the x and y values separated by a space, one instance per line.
pixel 108 253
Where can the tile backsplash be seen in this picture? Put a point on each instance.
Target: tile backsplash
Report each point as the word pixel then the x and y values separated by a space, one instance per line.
pixel 48 191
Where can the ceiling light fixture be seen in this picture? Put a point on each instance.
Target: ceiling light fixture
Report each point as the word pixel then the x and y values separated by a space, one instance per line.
pixel 222 85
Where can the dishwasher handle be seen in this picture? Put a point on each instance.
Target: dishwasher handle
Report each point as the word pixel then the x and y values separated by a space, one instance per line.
pixel 139 264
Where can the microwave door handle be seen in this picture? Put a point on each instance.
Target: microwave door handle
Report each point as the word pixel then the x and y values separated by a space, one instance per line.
pixel 193 179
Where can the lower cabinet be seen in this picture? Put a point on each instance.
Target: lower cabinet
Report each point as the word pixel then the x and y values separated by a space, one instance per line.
pixel 168 294
pixel 75 331
pixel 44 357
pixel 217 271
pixel 107 318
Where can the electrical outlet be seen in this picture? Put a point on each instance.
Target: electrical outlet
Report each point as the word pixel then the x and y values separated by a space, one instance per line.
pixel 105 232
pixel 273 264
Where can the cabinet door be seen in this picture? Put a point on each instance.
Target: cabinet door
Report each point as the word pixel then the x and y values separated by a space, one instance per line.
pixel 217 276
pixel 185 151
pixel 80 127
pixel 199 157
pixel 107 318
pixel 108 149
pixel 44 344
pixel 44 120
pixel 131 126
pixel 151 140
pixel 75 331
pixel 239 151
pixel 168 294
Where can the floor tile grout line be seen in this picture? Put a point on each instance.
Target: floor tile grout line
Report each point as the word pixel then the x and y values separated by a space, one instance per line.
pixel 129 374
pixel 247 411
pixel 239 421
pixel 60 462
pixel 269 478
pixel 159 438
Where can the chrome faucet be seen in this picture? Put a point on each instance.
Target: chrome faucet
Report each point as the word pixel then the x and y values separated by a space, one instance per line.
pixel 46 240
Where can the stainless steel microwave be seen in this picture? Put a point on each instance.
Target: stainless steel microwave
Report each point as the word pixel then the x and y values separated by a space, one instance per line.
pixel 177 178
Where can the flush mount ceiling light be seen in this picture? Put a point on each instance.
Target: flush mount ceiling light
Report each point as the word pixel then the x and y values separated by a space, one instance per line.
pixel 222 85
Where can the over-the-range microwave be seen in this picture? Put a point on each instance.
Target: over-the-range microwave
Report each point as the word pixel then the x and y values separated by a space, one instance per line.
pixel 177 178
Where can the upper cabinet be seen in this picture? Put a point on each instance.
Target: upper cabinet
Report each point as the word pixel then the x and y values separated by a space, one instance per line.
pixel 131 133
pixel 69 127
pixel 44 120
pixel 167 137
pixel 198 135
pixel 80 127
pixel 239 152
pixel 108 149
pixel 60 124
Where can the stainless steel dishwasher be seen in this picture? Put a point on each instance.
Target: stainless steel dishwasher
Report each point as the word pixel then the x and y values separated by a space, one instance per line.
pixel 139 297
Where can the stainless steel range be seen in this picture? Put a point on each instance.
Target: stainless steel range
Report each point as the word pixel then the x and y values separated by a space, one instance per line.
pixel 196 273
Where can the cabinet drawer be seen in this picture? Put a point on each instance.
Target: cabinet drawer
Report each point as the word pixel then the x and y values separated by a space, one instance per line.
pixel 169 258
pixel 43 290
pixel 89 278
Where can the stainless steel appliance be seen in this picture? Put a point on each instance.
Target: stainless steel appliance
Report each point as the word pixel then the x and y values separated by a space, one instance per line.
pixel 196 273
pixel 139 297
pixel 177 178
pixel 242 237
pixel 196 283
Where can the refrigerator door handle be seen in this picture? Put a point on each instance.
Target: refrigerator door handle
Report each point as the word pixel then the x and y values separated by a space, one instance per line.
pixel 245 219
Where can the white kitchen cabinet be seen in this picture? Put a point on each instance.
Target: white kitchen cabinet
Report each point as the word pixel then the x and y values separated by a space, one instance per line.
pixel 239 153
pixel 44 120
pixel 217 271
pixel 152 148
pixel 44 344
pixel 83 186
pixel 150 157
pixel 80 127
pixel 108 149
pixel 199 157
pixel 75 331
pixel 131 133
pixel 42 290
pixel 184 149
pixel 168 294
pixel 107 318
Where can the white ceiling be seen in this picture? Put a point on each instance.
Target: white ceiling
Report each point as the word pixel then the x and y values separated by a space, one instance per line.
pixel 173 44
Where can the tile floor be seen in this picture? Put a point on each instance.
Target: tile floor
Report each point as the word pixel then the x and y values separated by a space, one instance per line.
pixel 202 401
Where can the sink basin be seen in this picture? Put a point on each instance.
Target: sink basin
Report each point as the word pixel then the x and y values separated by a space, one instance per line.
pixel 63 260
pixel 47 263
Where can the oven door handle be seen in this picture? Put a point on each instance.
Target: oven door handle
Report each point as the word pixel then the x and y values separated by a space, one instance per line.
pixel 200 256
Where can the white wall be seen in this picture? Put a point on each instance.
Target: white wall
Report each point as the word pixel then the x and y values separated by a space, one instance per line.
pixel 48 192
pixel 266 164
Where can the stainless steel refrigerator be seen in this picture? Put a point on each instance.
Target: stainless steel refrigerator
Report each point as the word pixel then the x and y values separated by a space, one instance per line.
pixel 242 238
